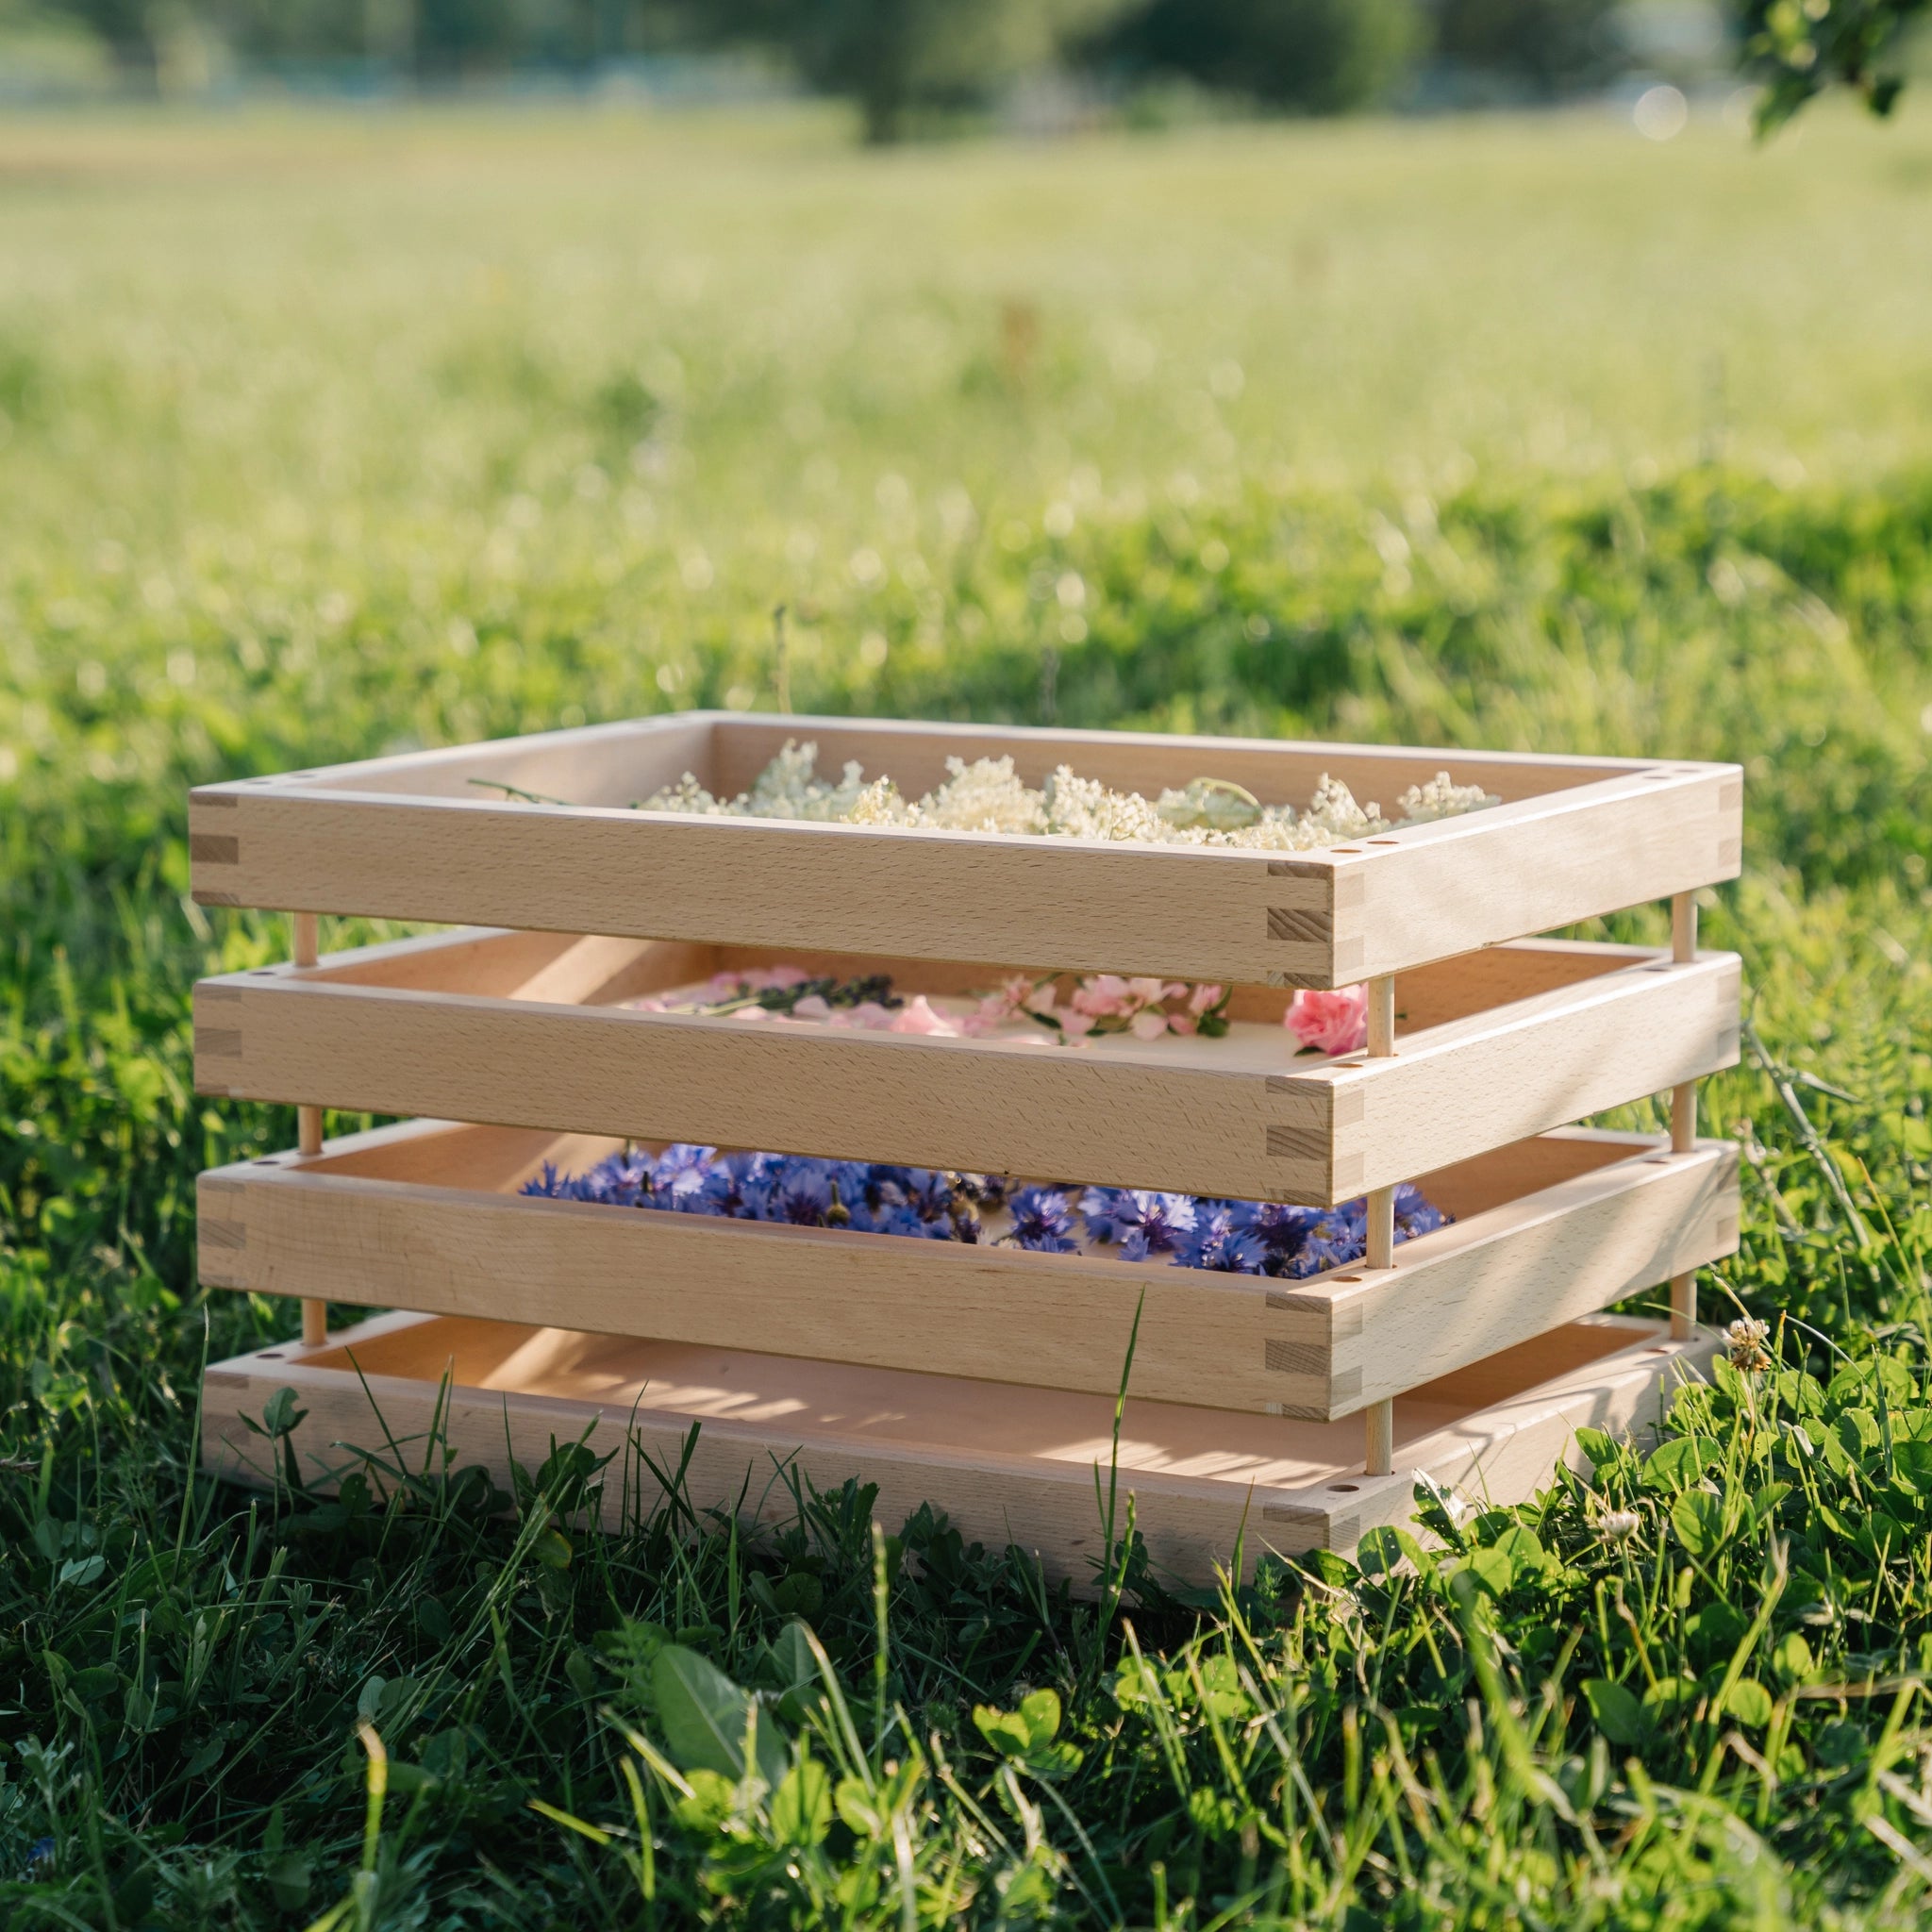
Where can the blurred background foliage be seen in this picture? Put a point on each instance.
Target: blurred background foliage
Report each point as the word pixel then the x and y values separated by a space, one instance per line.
pixel 927 66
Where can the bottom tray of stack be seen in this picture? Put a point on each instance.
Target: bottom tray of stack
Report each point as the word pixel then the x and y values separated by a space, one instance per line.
pixel 1008 1464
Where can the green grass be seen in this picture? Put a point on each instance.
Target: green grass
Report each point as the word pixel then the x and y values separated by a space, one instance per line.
pixel 322 436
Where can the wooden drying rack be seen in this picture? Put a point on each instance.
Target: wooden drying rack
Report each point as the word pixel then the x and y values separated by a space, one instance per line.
pixel 1483 1047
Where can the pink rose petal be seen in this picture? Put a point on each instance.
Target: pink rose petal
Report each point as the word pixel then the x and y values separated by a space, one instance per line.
pixel 1147 1024
pixel 917 1016
pixel 1333 1022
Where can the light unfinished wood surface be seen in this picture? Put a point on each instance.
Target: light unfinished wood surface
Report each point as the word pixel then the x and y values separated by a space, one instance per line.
pixel 1240 1116
pixel 1016 1465
pixel 409 1217
pixel 411 837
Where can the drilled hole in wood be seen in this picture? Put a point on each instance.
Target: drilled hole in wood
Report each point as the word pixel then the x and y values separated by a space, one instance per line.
pixel 1353 851
pixel 267 1160
pixel 271 1355
pixel 1347 1277
pixel 1385 842
pixel 1345 1489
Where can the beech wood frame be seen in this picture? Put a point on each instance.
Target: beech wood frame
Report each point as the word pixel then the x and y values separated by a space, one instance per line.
pixel 1008 1464
pixel 1532 1035
pixel 426 1216
pixel 410 837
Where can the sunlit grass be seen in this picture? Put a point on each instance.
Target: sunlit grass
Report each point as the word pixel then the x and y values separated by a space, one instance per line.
pixel 322 434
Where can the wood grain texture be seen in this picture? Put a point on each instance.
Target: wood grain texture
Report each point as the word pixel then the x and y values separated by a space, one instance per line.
pixel 412 838
pixel 422 1218
pixel 1237 1116
pixel 1008 1465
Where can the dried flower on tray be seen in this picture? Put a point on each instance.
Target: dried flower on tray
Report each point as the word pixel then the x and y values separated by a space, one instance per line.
pixel 988 795
pixel 927 1204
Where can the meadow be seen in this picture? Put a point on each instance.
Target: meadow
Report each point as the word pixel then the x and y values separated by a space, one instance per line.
pixel 322 435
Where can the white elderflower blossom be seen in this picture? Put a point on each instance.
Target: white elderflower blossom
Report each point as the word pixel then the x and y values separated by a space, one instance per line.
pixel 988 795
pixel 1440 798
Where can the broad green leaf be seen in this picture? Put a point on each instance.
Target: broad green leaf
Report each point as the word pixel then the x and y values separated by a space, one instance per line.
pixel 1004 1730
pixel 1791 1659
pixel 858 1808
pixel 1749 1702
pixel 802 1805
pixel 704 1716
pixel 1619 1716
pixel 1699 1521
pixel 1040 1711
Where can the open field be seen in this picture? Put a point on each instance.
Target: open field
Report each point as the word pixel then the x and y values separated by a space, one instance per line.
pixel 322 435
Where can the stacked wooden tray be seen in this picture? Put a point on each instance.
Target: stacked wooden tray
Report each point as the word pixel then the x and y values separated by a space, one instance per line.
pixel 979 1379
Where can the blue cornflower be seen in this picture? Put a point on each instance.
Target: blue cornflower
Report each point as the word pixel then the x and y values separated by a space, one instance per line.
pixel 1042 1221
pixel 1280 1229
pixel 801 1194
pixel 1415 1213
pixel 743 1183
pixel 1142 1221
pixel 681 1177
pixel 1220 1243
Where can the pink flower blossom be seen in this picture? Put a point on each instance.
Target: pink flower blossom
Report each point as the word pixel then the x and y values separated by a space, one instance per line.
pixel 1076 1025
pixel 1104 995
pixel 812 1007
pixel 1183 1024
pixel 752 1013
pixel 1202 998
pixel 1146 991
pixel 1041 1000
pixel 1336 1022
pixel 1148 1024
pixel 917 1016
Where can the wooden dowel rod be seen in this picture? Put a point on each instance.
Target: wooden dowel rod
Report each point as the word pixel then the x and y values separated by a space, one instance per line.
pixel 1381 1251
pixel 1382 1017
pixel 305 942
pixel 1683 1307
pixel 1380 1417
pixel 1683 1114
pixel 1683 927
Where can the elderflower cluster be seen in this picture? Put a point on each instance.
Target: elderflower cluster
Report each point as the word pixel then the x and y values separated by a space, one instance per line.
pixel 989 795
pixel 1441 799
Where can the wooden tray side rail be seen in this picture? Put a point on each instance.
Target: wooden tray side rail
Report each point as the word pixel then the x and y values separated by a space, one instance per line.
pixel 415 838
pixel 1576 1029
pixel 1011 1464
pixel 425 1217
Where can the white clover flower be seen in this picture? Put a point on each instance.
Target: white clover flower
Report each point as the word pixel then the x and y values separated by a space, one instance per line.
pixel 1619 1526
pixel 1745 1339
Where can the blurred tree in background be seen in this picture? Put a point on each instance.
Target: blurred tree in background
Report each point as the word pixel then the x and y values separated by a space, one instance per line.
pixel 894 55
pixel 902 60
pixel 1311 56
pixel 1554 47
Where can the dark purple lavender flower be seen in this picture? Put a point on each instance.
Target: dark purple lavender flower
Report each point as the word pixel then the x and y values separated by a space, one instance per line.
pixel 1042 1221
